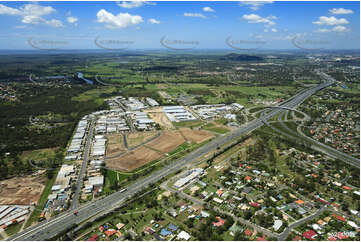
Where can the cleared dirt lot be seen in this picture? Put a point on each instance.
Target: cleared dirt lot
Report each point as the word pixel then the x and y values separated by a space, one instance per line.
pixel 21 190
pixel 167 141
pixel 133 159
pixel 160 118
pixel 197 136
pixel 115 144
pixel 138 138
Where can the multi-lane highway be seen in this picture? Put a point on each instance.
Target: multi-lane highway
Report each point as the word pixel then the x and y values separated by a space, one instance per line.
pixel 49 229
pixel 315 145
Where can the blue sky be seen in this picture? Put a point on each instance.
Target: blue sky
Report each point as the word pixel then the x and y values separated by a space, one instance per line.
pixel 215 25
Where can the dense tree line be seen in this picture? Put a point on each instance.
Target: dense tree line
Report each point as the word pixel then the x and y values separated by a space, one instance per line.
pixel 18 135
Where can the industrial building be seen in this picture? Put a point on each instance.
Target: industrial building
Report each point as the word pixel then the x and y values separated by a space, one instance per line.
pixel 94 183
pixel 98 149
pixel 209 112
pixel 96 164
pixel 78 140
pixel 63 179
pixel 60 191
pixel 12 214
pixel 190 175
pixel 178 114
pixel 133 104
pixel 152 102
pixel 141 121
pixel 111 122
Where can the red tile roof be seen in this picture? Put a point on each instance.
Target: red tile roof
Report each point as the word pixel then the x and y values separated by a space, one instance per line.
pixel 339 217
pixel 261 239
pixel 322 201
pixel 248 232
pixel 310 234
pixel 253 204
pixel 346 188
pixel 110 232
pixel 94 237
pixel 219 223
pixel 342 236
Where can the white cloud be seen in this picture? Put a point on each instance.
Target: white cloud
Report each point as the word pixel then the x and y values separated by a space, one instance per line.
pixel 272 17
pixel 37 10
pixel 153 21
pixel 323 30
pixel 134 4
pixel 30 19
pixel 323 20
pixel 72 20
pixel 9 11
pixel 256 19
pixel 54 23
pixel 32 14
pixel 340 11
pixel 122 20
pixel 208 9
pixel 338 29
pixel 274 30
pixel 197 15
pixel 254 5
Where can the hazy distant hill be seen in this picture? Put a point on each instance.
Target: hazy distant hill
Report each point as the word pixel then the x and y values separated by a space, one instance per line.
pixel 237 57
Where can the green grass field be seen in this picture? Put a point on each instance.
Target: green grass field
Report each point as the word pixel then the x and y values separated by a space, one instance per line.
pixel 38 155
pixel 111 177
pixel 183 146
pixel 98 94
pixel 214 128
pixel 188 124
pixel 13 229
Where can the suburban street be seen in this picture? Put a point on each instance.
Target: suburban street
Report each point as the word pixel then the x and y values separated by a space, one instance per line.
pixel 49 229
pixel 286 232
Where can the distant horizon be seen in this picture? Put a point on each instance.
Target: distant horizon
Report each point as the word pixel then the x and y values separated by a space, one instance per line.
pixel 180 51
